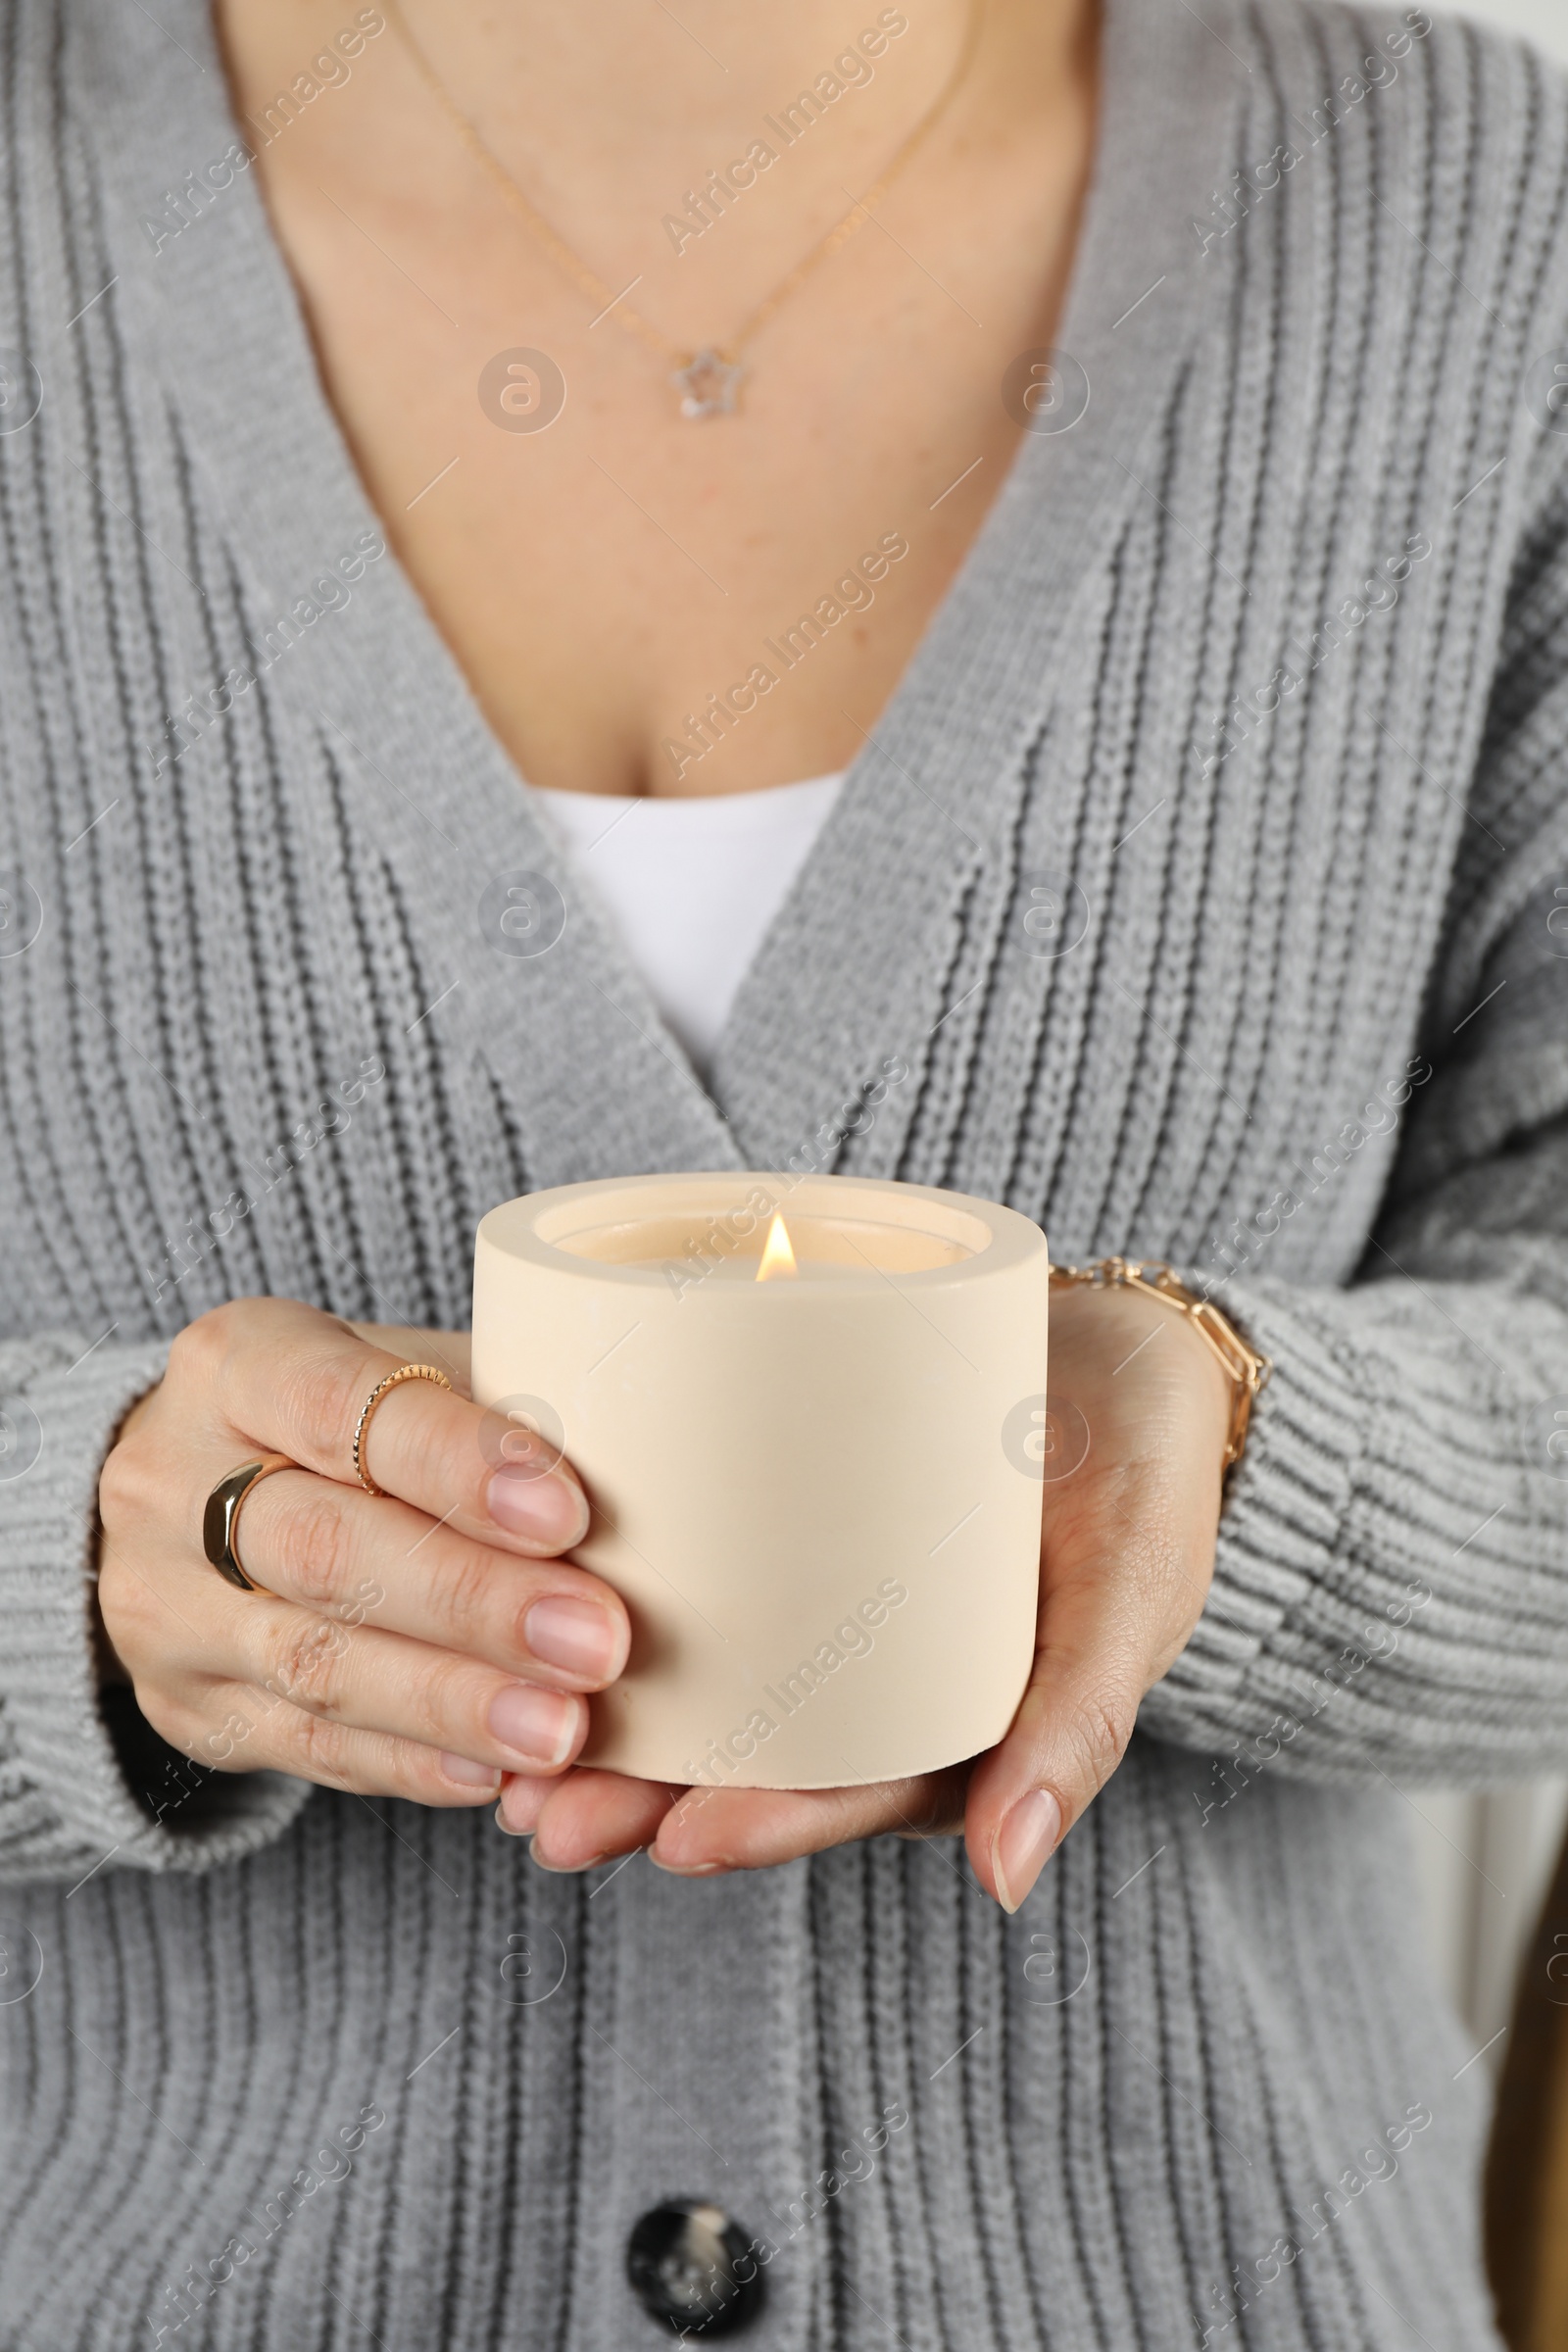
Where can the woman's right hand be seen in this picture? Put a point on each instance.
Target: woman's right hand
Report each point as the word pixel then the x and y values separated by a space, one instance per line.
pixel 415 1644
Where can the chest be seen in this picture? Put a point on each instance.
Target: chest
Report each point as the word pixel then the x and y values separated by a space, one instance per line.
pixel 606 570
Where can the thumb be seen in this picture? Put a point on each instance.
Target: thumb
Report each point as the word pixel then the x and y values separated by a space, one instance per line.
pixel 1093 1663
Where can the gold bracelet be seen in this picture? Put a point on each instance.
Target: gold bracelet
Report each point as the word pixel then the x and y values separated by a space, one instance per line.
pixel 1246 1370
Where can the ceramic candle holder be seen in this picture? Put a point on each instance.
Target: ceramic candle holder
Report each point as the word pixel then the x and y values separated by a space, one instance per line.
pixel 807 1413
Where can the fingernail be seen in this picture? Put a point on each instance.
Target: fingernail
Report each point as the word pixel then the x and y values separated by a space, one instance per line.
pixel 540 1725
pixel 1028 1833
pixel 689 1870
pixel 523 1809
pixel 564 1870
pixel 549 1511
pixel 525 1799
pixel 580 1637
pixel 469 1775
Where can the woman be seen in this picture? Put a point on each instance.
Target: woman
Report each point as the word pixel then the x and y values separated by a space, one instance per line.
pixel 421 431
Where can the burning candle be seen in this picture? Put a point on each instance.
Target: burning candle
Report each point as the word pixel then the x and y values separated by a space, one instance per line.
pixel 807 1413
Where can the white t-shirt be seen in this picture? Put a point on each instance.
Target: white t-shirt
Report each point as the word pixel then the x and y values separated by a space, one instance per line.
pixel 692 885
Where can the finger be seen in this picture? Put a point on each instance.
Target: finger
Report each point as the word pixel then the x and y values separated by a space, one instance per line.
pixel 362 1559
pixel 1094 1661
pixel 713 1830
pixel 523 1800
pixel 239 1729
pixel 412 1343
pixel 585 1818
pixel 368 1680
pixel 296 1382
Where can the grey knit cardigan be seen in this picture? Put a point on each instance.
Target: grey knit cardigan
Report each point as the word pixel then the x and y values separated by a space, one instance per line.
pixel 1259 671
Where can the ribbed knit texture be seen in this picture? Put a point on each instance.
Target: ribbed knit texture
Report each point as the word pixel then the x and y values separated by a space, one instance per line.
pixel 1208 2030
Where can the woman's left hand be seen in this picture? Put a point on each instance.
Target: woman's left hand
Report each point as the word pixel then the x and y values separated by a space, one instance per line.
pixel 1127 1553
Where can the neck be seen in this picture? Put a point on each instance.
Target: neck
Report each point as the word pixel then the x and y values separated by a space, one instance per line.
pixel 625 79
pixel 626 76
pixel 621 127
pixel 617 104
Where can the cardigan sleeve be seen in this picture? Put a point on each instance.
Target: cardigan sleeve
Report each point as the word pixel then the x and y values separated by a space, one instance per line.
pixel 84 1781
pixel 1391 1592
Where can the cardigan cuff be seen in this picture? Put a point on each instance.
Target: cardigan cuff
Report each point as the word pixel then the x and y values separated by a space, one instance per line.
pixel 1284 1598
pixel 84 1780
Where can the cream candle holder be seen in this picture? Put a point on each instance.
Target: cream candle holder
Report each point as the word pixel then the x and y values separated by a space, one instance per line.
pixel 807 1413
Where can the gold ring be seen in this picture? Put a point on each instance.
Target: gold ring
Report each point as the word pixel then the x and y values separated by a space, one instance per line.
pixel 361 1426
pixel 221 1519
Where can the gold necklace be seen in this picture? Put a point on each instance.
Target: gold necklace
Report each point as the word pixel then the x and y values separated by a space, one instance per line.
pixel 709 381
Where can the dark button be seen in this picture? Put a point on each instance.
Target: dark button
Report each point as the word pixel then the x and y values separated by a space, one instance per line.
pixel 695 2270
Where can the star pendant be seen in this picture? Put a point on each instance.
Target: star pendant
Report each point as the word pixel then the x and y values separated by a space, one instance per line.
pixel 709 385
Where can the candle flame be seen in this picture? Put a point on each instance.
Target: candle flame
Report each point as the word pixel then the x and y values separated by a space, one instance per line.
pixel 778 1258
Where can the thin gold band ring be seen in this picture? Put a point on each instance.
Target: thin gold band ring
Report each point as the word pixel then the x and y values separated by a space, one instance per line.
pixel 361 1426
